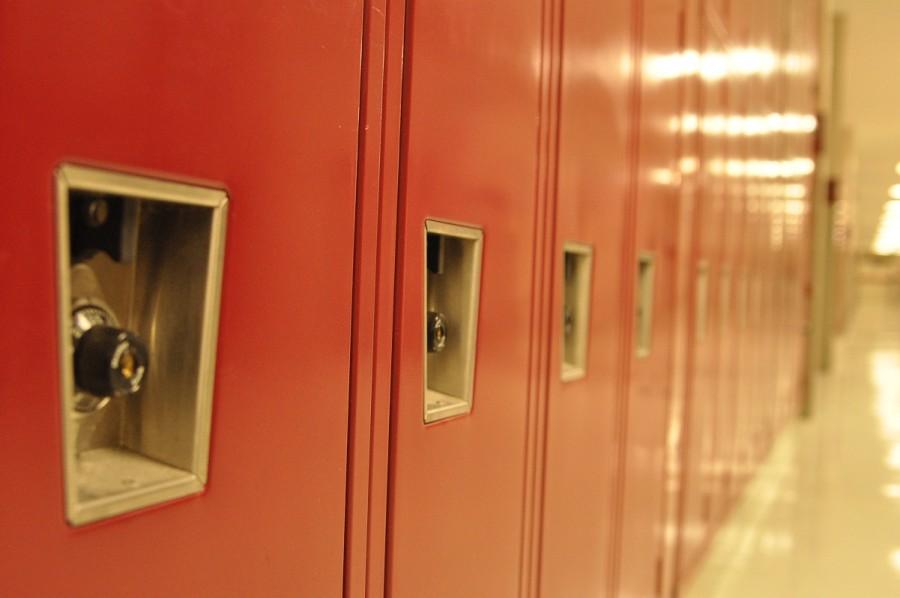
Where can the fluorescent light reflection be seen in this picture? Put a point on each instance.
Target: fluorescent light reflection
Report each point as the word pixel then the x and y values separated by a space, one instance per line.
pixel 894 192
pixel 884 376
pixel 796 191
pixel 887 239
pixel 892 461
pixel 664 176
pixel 767 169
pixel 753 125
pixel 795 207
pixel 894 559
pixel 713 66
pixel 688 165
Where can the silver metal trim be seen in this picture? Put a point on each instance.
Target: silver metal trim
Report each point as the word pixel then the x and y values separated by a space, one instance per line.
pixel 701 317
pixel 436 405
pixel 72 176
pixel 645 304
pixel 576 371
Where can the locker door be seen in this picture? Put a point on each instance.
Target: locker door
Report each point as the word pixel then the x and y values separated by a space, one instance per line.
pixel 732 295
pixel 262 99
pixel 652 273
pixel 468 166
pixel 772 37
pixel 697 507
pixel 801 141
pixel 592 198
pixel 683 355
pixel 756 239
pixel 728 195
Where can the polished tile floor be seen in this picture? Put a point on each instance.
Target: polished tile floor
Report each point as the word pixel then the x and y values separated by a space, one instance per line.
pixel 822 517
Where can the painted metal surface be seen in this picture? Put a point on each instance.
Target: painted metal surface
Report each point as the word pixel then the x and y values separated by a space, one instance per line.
pixel 264 99
pixel 539 122
pixel 760 128
pixel 703 412
pixel 469 156
pixel 730 273
pixel 591 208
pixel 685 304
pixel 655 234
pixel 372 326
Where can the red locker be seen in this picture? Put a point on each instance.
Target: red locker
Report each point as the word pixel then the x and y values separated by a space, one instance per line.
pixel 650 268
pixel 681 396
pixel 748 281
pixel 469 157
pixel 731 269
pixel 373 325
pixel 737 381
pixel 771 36
pixel 702 412
pixel 800 104
pixel 756 239
pixel 632 299
pixel 262 98
pixel 591 200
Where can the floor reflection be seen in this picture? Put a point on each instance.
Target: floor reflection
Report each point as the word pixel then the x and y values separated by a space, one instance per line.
pixel 822 517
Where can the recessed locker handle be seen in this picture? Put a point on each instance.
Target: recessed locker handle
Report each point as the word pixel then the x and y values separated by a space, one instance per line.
pixel 452 288
pixel 139 263
pixel 701 317
pixel 644 304
pixel 576 281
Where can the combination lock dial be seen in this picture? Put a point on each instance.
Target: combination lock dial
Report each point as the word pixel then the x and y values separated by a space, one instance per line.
pixel 109 361
pixel 436 332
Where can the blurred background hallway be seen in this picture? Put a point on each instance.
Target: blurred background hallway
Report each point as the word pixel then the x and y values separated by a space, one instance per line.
pixel 821 519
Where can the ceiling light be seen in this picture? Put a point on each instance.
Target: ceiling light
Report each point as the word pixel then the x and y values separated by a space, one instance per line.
pixel 897 168
pixel 894 191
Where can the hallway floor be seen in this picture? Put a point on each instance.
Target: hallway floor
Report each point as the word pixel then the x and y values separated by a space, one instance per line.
pixel 822 517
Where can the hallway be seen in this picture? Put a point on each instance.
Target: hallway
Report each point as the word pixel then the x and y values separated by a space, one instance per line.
pixel 822 517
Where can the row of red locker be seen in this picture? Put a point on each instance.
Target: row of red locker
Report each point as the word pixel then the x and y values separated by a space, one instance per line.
pixel 624 188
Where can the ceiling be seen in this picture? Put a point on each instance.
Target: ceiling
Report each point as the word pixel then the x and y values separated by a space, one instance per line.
pixel 871 94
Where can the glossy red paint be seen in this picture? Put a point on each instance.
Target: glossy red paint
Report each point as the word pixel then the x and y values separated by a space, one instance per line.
pixel 770 34
pixel 262 98
pixel 469 155
pixel 760 359
pixel 592 197
pixel 757 241
pixel 801 99
pixel 698 480
pixel 656 235
pixel 738 256
pixel 685 303
pixel 372 342
pixel 730 272
pixel 541 121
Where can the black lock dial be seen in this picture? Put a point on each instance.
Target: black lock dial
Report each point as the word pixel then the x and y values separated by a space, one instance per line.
pixel 436 332
pixel 110 361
